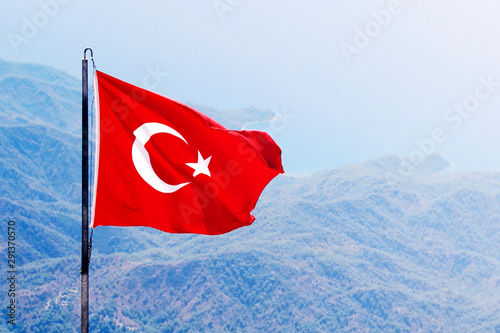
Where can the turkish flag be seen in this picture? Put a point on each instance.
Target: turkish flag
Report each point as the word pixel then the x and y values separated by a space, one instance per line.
pixel 164 165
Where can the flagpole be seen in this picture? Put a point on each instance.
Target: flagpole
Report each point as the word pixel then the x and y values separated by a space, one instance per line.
pixel 85 196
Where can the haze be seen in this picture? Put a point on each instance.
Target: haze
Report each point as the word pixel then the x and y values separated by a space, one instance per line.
pixel 351 80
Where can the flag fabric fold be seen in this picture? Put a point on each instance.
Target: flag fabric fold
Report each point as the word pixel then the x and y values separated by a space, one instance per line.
pixel 164 165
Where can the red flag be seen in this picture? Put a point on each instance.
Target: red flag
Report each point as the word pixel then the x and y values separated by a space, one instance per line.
pixel 163 165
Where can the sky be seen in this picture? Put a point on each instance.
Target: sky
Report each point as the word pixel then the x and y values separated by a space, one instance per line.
pixel 349 80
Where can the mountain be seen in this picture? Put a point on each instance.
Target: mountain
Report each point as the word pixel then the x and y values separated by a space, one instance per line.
pixel 358 248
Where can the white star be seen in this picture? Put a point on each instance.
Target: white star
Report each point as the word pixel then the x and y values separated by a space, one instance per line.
pixel 201 166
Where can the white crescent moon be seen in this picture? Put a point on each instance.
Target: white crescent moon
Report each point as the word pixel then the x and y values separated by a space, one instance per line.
pixel 140 155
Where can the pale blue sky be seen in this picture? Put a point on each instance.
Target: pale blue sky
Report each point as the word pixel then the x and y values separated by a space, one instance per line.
pixel 421 59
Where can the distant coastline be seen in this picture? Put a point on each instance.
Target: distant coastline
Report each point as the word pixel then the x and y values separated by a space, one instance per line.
pixel 275 117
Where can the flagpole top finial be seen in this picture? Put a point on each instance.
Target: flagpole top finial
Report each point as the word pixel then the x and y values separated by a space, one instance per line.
pixel 85 53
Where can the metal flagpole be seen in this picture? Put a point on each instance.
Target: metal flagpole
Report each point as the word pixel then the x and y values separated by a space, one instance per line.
pixel 85 195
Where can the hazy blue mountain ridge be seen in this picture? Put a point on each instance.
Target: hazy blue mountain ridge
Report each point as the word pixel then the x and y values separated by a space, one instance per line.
pixel 39 95
pixel 358 248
